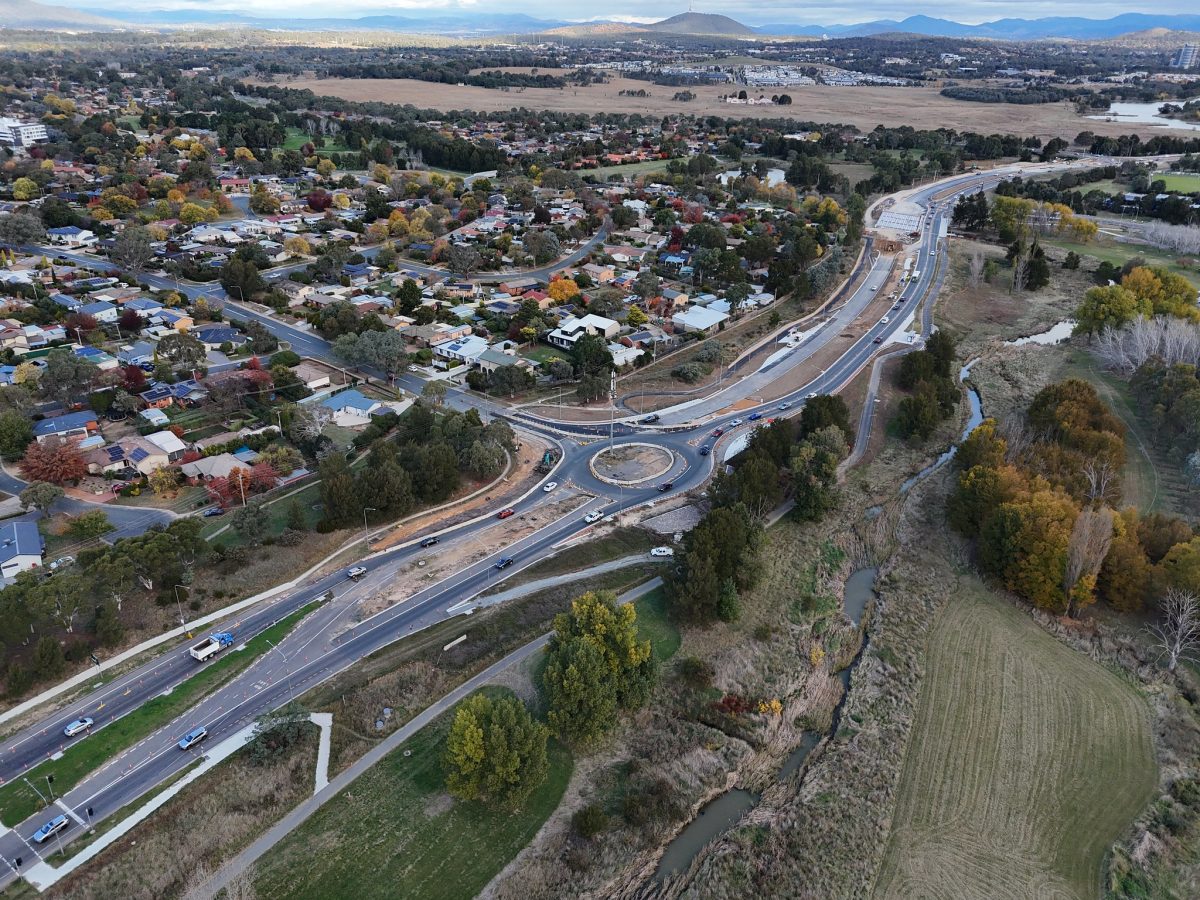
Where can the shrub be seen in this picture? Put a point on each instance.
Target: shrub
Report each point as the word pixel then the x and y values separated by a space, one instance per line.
pixel 589 821
pixel 696 673
pixel 689 372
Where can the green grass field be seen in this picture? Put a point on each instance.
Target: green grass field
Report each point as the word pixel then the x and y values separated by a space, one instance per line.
pixel 296 139
pixel 1026 761
pixel 396 833
pixel 85 755
pixel 1186 184
pixel 628 170
pixel 654 625
pixel 1119 254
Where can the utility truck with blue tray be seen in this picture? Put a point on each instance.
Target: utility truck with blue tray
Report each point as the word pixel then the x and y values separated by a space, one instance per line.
pixel 211 645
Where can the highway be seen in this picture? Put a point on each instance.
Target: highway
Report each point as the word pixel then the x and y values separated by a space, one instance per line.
pixel 329 638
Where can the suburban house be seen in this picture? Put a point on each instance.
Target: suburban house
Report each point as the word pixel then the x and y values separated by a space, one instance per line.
pixel 169 443
pixel 72 425
pixel 434 334
pixel 463 350
pixel 101 310
pixel 213 336
pixel 698 318
pixel 218 466
pixel 351 409
pixel 572 328
pixel 71 236
pixel 21 548
pixel 492 359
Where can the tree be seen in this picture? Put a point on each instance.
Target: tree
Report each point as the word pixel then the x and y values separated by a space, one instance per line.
pixel 635 318
pixel 495 752
pixel 814 465
pixel 722 547
pixel 131 250
pixel 563 289
pixel 821 412
pixel 56 460
pixel 21 228
pixel 181 351
pixel 164 480
pixel 1091 536
pixel 1125 575
pixel 338 494
pixel 41 495
pixel 90 525
pixel 15 434
pixel 48 659
pixel 276 732
pixel 66 376
pixel 1178 634
pixel 297 246
pixel 435 392
pixel 1108 307
pixel 463 258
pixel 1025 543
pixel 596 664
pixel 25 189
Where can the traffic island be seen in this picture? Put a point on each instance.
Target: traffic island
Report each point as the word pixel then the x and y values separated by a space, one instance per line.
pixel 631 463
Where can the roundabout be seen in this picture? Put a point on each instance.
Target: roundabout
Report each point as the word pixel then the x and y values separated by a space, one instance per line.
pixel 631 463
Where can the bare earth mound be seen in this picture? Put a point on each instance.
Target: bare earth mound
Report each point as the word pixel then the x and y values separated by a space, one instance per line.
pixel 1027 760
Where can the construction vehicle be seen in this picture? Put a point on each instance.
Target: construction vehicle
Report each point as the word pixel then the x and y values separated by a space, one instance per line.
pixel 548 462
pixel 211 645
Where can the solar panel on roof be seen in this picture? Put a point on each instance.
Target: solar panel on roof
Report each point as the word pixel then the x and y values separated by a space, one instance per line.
pixel 114 453
pixel 138 454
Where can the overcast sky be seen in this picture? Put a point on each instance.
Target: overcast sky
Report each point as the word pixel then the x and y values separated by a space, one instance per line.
pixel 754 12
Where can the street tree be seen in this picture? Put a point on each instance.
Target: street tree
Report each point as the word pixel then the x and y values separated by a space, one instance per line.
pixel 15 434
pixel 131 250
pixel 66 377
pixel 41 495
pixel 21 228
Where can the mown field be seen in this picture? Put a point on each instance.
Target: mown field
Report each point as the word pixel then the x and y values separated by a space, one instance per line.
pixel 396 833
pixel 1026 761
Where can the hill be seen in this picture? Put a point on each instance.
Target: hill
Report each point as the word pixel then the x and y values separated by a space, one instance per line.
pixel 595 29
pixel 27 14
pixel 701 23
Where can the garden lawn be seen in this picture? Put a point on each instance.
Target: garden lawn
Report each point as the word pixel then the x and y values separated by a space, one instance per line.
pixel 84 755
pixel 395 833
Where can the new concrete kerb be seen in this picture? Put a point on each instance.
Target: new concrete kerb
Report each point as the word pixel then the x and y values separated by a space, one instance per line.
pixel 628 483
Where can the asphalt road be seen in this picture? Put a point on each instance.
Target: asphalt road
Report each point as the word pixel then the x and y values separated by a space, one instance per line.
pixel 330 638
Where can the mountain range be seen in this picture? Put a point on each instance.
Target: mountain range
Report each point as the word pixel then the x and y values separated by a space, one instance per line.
pixel 30 14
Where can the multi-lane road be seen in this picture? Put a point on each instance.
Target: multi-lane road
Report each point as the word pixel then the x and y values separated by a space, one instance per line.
pixel 330 637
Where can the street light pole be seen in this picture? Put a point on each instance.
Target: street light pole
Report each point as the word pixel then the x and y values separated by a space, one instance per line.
pixel 178 605
pixel 367 509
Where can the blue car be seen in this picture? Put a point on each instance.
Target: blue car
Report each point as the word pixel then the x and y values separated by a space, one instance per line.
pixel 504 562
pixel 755 416
pixel 55 825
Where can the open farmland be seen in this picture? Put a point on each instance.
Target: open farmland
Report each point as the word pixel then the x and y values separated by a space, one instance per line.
pixel 1026 761
pixel 864 107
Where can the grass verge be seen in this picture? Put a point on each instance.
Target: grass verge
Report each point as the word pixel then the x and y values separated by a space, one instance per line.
pixel 396 832
pixel 18 801
pixel 620 543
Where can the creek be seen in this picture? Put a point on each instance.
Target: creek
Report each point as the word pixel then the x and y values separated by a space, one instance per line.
pixel 725 810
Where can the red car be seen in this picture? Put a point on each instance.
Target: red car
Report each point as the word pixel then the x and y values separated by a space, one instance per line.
pixel 718 432
pixel 505 513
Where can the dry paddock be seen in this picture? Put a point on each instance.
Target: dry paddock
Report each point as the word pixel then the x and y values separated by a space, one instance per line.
pixel 864 107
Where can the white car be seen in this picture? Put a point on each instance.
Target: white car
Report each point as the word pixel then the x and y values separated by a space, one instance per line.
pixel 884 320
pixel 550 485
pixel 82 724
pixel 662 551
pixel 594 516
pixel 735 423
pixel 356 572
pixel 61 563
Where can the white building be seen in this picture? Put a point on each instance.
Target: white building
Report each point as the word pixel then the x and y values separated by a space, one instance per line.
pixel 21 134
pixel 698 318
pixel 20 548
pixel 572 328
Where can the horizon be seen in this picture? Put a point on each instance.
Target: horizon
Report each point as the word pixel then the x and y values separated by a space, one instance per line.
pixel 755 15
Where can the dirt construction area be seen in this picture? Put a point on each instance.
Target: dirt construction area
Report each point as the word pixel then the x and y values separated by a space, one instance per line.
pixel 864 107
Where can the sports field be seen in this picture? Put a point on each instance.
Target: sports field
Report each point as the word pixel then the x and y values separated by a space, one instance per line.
pixel 1027 760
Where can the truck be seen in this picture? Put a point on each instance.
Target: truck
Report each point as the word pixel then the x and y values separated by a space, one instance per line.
pixel 211 645
pixel 549 461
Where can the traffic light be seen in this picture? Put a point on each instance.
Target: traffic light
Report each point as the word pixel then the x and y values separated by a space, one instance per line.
pixel 17 862
pixel 90 812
